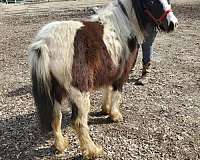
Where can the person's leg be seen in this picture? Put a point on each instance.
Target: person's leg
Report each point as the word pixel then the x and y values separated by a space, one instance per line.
pixel 147 47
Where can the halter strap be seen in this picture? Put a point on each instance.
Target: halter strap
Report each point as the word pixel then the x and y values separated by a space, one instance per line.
pixel 160 19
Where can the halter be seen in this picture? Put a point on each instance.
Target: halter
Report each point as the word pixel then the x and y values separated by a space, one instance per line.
pixel 158 20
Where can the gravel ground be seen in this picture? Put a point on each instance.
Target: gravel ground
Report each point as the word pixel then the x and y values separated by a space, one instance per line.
pixel 161 119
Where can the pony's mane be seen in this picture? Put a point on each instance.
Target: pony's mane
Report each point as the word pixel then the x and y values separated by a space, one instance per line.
pixel 113 15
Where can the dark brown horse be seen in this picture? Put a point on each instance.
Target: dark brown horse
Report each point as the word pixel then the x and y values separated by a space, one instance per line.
pixel 71 58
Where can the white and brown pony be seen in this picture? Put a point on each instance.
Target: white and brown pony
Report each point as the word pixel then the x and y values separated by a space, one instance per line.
pixel 71 58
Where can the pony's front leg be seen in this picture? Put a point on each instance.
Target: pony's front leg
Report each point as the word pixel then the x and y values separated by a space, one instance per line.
pixel 116 101
pixel 111 103
pixel 60 143
pixel 107 100
pixel 80 110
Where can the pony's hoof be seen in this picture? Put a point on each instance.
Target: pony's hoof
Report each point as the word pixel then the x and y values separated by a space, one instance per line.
pixel 61 145
pixel 92 152
pixel 116 117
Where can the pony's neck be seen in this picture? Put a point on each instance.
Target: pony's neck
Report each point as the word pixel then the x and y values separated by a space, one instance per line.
pixel 126 20
pixel 139 11
pixel 135 16
pixel 114 17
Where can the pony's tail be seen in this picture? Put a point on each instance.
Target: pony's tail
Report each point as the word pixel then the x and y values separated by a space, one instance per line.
pixel 41 81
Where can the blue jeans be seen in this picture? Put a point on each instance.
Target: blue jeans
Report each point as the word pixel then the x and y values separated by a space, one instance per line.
pixel 147 45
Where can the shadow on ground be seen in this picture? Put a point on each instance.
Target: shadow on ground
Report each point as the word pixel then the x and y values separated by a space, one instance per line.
pixel 21 134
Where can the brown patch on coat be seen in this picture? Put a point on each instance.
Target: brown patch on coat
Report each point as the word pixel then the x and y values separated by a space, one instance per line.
pixel 58 91
pixel 92 64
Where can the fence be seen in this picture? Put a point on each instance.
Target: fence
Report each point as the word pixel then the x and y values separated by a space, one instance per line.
pixel 40 7
pixel 23 1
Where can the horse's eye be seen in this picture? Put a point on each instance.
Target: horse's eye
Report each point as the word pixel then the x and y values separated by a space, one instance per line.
pixel 151 2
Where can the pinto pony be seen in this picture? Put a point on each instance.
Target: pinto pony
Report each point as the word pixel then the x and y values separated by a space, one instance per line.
pixel 71 58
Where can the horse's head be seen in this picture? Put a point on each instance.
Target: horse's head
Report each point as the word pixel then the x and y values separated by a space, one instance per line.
pixel 159 12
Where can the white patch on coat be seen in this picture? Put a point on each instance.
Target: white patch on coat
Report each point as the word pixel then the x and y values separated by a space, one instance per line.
pixel 58 39
pixel 118 28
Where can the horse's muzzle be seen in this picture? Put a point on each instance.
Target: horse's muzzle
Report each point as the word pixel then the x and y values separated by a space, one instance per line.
pixel 172 27
pixel 172 22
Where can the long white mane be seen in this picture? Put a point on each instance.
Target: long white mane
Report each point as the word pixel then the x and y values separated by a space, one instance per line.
pixel 118 27
pixel 113 15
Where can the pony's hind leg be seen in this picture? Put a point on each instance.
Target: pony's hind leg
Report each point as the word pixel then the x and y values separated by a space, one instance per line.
pixel 107 100
pixel 116 101
pixel 60 143
pixel 80 110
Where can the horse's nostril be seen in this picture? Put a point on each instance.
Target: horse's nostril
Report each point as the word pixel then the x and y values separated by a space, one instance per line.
pixel 176 25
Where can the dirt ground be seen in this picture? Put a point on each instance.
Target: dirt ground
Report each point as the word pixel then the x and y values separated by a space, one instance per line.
pixel 161 119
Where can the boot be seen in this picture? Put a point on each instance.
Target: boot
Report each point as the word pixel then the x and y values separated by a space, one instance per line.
pixel 144 78
pixel 145 69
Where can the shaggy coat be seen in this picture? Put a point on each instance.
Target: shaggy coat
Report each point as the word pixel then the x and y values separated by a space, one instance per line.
pixel 71 58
